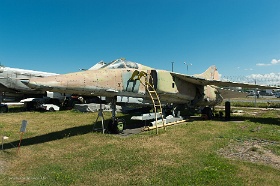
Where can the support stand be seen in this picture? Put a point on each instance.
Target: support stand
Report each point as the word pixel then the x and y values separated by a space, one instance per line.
pixel 100 114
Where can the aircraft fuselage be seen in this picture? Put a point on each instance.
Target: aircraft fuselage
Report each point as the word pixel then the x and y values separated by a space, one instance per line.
pixel 117 82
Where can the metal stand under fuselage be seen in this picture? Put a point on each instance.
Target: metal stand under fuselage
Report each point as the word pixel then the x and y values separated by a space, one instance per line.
pixel 113 106
pixel 100 114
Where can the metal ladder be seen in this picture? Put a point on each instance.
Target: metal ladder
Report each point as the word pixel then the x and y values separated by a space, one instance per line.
pixel 153 94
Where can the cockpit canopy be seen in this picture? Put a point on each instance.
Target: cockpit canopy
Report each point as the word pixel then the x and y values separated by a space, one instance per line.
pixel 120 63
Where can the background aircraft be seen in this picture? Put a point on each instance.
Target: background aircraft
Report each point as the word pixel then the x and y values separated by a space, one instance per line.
pixel 130 79
pixel 11 87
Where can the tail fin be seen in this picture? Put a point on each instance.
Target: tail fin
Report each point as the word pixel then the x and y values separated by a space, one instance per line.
pixel 211 73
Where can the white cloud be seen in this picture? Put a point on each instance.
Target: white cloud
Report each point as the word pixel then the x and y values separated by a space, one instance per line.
pixel 263 64
pixel 265 79
pixel 273 62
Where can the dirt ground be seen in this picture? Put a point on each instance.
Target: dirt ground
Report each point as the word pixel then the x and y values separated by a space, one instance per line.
pixel 254 151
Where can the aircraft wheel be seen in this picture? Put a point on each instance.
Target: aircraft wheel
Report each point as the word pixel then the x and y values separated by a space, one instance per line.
pixel 116 127
pixel 51 109
pixel 207 111
pixel 120 125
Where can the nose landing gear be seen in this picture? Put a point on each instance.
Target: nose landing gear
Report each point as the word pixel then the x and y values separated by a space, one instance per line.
pixel 116 126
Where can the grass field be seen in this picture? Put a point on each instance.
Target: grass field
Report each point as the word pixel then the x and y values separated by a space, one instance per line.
pixel 59 148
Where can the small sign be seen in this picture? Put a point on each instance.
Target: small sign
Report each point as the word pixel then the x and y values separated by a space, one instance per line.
pixel 23 126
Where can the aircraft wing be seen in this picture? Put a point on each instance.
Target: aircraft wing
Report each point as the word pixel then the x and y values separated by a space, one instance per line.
pixel 229 93
pixel 201 81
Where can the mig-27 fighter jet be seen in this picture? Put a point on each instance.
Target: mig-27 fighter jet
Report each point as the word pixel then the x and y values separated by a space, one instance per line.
pixel 131 79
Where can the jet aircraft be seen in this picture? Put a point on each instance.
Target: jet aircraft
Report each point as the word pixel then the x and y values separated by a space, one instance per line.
pixel 131 79
pixel 10 81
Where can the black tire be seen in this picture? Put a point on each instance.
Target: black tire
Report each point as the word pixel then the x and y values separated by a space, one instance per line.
pixel 207 111
pixel 51 109
pixel 120 125
pixel 116 127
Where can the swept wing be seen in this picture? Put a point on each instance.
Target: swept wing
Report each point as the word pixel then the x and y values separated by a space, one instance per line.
pixel 204 82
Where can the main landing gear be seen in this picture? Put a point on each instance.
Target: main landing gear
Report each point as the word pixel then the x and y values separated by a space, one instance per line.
pixel 116 126
pixel 207 112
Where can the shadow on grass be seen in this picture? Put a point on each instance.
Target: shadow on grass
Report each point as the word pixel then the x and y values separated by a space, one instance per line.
pixel 16 109
pixel 69 132
pixel 267 121
pixel 74 131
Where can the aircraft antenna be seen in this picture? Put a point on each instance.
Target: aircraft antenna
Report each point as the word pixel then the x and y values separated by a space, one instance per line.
pixel 172 65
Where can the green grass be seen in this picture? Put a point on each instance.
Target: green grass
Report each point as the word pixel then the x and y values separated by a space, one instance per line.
pixel 60 149
pixel 260 103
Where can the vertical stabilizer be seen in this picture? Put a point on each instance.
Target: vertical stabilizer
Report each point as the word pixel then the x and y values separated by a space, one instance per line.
pixel 211 73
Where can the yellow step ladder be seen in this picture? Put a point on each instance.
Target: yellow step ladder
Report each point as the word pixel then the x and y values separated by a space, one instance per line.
pixel 153 94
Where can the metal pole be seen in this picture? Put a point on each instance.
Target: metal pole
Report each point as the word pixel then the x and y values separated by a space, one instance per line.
pixel 255 94
pixel 172 66
pixel 187 66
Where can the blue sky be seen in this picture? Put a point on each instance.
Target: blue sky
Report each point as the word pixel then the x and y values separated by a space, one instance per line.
pixel 240 37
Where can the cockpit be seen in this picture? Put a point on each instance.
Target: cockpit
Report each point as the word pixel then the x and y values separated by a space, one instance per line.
pixel 120 63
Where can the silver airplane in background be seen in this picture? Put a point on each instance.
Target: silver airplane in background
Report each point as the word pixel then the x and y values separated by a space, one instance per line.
pixel 12 88
pixel 10 82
